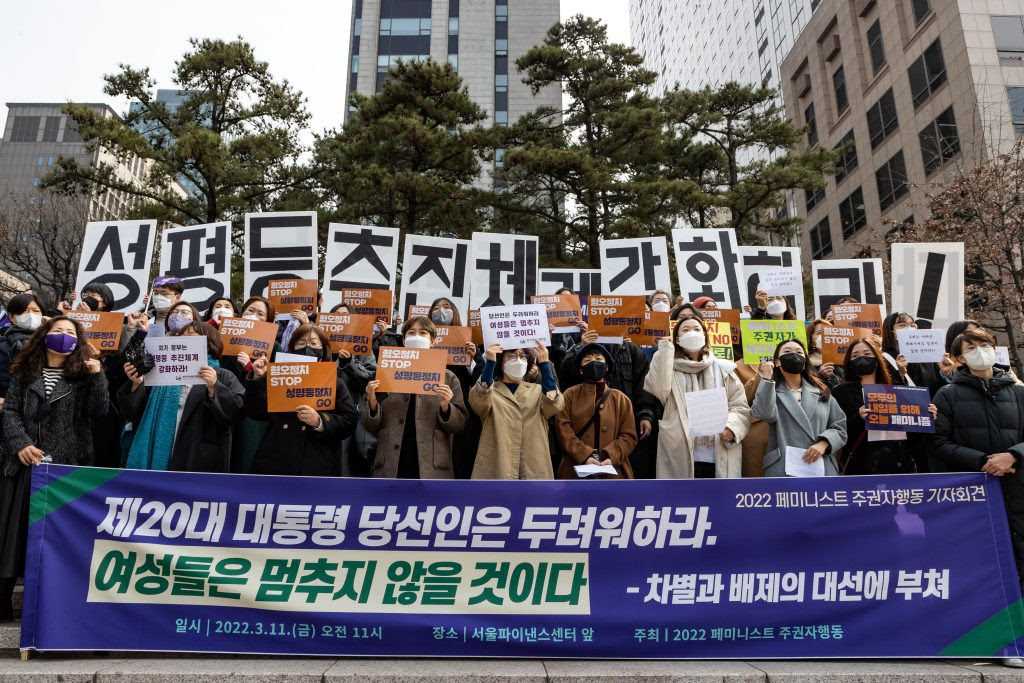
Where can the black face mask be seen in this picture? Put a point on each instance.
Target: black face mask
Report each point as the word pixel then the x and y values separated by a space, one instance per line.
pixel 793 363
pixel 93 304
pixel 864 365
pixel 594 371
pixel 309 351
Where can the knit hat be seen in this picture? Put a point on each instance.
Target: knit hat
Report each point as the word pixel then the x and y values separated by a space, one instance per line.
pixel 702 301
pixel 594 348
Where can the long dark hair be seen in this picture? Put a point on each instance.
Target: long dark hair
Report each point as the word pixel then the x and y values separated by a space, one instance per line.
pixel 456 316
pixel 29 364
pixel 303 331
pixel 889 341
pixel 806 374
pixel 102 291
pixel 882 375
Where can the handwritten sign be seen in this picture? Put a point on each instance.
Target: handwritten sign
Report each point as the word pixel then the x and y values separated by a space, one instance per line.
pixel 375 302
pixel 725 315
pixel 290 385
pixel 292 295
pixel 707 411
pixel 178 360
pixel 254 337
pixel 898 409
pixel 348 332
pixel 453 341
pixel 410 371
pixel 515 327
pixel 922 346
pixel 102 330
pixel 616 317
pixel 760 337
pixel 780 281
pixel 656 326
pixel 835 341
pixel 864 316
pixel 562 308
pixel 720 339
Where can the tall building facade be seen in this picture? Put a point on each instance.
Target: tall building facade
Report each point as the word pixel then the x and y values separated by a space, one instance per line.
pixel 480 38
pixel 694 43
pixel 172 99
pixel 910 90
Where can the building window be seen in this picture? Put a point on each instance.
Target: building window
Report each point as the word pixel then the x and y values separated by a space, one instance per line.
pixel 454 61
pixel 891 179
pixel 813 197
pixel 847 161
pixel 501 12
pixel 851 214
pixel 927 74
pixel 839 86
pixel 25 129
pixel 1009 35
pixel 355 64
pixel 1016 97
pixel 812 125
pixel 453 26
pixel 821 240
pixel 499 158
pixel 939 141
pixel 415 26
pixel 875 47
pixel 501 118
pixel 49 161
pixel 51 128
pixel 501 47
pixel 501 83
pixel 357 27
pixel 35 182
pixel 922 8
pixel 40 161
pixel 882 119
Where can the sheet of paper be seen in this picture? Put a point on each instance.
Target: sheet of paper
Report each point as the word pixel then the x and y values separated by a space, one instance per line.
pixel 591 470
pixel 707 411
pixel 922 346
pixel 1002 355
pixel 796 467
pixel 283 357
pixel 780 281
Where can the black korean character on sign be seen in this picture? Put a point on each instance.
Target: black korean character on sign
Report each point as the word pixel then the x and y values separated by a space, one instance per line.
pixel 365 246
pixel 278 263
pixel 856 280
pixel 198 255
pixel 710 265
pixel 521 273
pixel 439 269
pixel 125 256
pixel 639 259
pixel 581 282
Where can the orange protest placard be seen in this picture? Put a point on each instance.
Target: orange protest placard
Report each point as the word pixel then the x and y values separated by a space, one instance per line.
pixel 290 385
pixel 863 316
pixel 616 316
pixel 348 332
pixel 453 340
pixel 254 337
pixel 725 315
pixel 476 326
pixel 835 341
pixel 417 309
pixel 720 340
pixel 562 308
pixel 102 330
pixel 375 302
pixel 655 327
pixel 291 295
pixel 410 371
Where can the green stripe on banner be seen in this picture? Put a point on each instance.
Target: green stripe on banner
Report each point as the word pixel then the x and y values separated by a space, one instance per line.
pixel 66 489
pixel 991 636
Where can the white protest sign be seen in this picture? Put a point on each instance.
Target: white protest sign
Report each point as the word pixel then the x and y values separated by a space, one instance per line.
pixel 1002 355
pixel 515 327
pixel 279 246
pixel 757 258
pixel 635 266
pixel 922 346
pixel 282 357
pixel 707 411
pixel 435 267
pixel 836 279
pixel 503 269
pixel 201 256
pixel 781 281
pixel 358 257
pixel 118 254
pixel 796 467
pixel 708 264
pixel 178 360
pixel 928 282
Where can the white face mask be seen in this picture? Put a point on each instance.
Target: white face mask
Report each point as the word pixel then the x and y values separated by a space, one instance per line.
pixel 776 307
pixel 161 302
pixel 28 321
pixel 222 313
pixel 691 341
pixel 660 306
pixel 516 368
pixel 981 358
pixel 250 316
pixel 817 342
pixel 417 342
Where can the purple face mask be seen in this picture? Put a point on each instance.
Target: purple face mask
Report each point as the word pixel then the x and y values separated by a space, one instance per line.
pixel 59 342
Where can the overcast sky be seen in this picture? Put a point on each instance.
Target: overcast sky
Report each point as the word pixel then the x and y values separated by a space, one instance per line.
pixel 59 50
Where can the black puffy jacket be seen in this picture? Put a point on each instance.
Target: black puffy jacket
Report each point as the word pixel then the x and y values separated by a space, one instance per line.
pixel 11 343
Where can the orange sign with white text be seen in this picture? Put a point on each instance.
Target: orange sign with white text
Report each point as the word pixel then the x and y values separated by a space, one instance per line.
pixel 290 385
pixel 410 371
pixel 102 330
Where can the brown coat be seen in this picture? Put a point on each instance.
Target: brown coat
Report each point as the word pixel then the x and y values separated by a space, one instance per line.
pixel 514 440
pixel 756 444
pixel 433 431
pixel 618 430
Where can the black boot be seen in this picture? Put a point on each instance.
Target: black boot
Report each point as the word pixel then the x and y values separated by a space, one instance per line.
pixel 6 596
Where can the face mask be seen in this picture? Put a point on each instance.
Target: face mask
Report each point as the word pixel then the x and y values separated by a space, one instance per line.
pixel 793 363
pixel 250 316
pixel 660 306
pixel 817 342
pixel 222 313
pixel 417 342
pixel 594 371
pixel 161 302
pixel 29 321
pixel 691 341
pixel 93 304
pixel 442 316
pixel 864 365
pixel 516 368
pixel 310 351
pixel 61 343
pixel 177 321
pixel 981 358
pixel 776 307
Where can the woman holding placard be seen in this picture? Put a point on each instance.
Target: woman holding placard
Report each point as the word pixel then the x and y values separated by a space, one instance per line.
pixel 515 413
pixel 414 432
pixel 684 364
pixel 774 307
pixel 305 441
pixel 911 374
pixel 807 425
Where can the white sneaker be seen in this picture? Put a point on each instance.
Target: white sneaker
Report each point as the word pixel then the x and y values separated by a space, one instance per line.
pixel 1014 662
